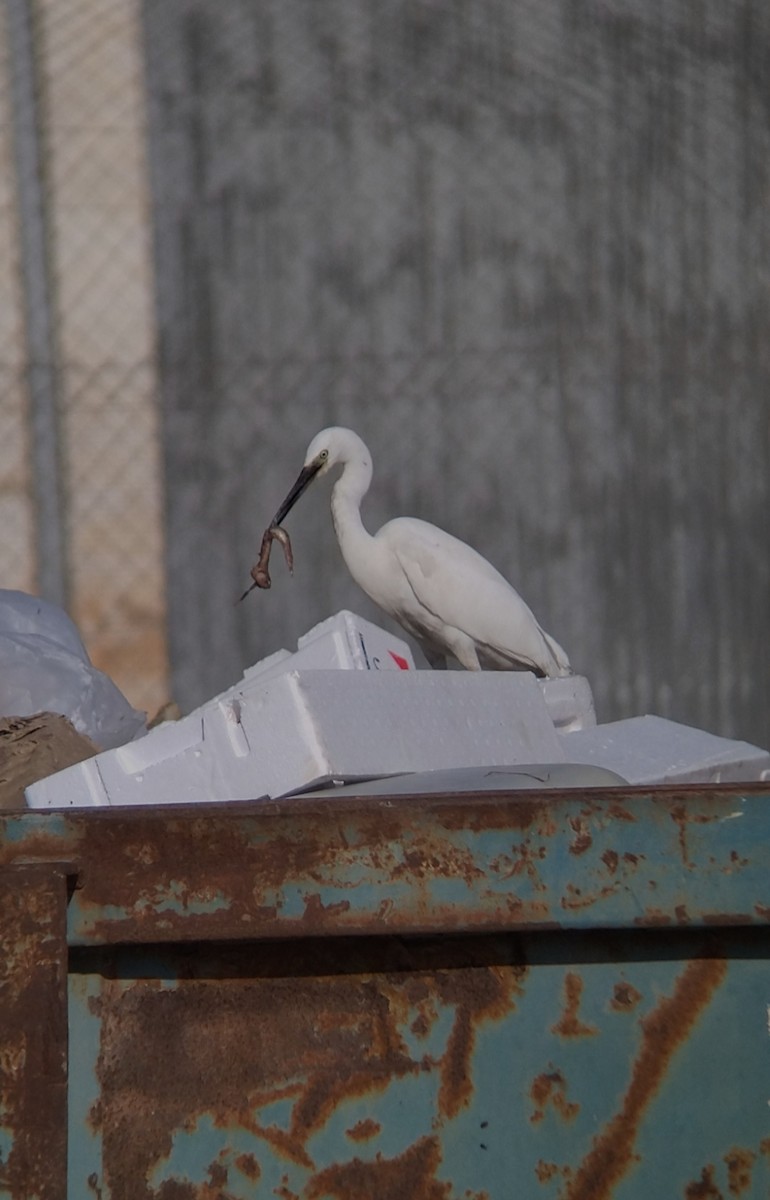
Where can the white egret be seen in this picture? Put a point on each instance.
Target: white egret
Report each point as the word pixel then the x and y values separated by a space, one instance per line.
pixel 440 590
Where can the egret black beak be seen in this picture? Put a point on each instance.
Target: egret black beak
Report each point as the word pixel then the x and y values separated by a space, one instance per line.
pixel 306 476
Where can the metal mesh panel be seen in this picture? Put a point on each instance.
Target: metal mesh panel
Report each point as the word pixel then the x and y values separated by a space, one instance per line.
pixel 89 120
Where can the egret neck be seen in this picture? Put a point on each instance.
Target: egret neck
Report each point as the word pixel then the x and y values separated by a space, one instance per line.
pixel 356 543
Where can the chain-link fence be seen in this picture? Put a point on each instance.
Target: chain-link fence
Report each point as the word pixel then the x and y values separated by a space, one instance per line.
pixel 80 454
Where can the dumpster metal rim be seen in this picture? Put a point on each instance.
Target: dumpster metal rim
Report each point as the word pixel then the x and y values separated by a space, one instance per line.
pixel 573 859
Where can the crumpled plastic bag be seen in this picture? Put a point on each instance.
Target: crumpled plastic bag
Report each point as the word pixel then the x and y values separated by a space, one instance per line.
pixel 44 667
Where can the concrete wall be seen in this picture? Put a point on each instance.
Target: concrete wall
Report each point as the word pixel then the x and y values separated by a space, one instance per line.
pixel 522 248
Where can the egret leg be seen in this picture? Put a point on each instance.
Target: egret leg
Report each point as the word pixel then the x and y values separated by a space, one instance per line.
pixel 463 648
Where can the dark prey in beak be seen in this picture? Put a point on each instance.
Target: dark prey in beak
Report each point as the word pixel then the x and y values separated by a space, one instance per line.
pixel 259 572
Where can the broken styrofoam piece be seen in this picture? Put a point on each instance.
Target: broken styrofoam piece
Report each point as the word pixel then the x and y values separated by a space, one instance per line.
pixel 343 642
pixel 279 735
pixel 570 702
pixel 653 750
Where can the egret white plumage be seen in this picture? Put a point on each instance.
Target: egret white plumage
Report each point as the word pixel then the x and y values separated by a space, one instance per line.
pixel 438 589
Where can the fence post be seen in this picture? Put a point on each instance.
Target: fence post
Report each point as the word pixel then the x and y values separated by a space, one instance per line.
pixel 38 290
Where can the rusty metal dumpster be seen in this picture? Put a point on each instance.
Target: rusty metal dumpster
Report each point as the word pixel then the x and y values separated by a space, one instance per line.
pixel 528 995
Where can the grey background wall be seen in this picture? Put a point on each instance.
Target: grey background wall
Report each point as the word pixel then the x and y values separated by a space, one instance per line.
pixel 523 247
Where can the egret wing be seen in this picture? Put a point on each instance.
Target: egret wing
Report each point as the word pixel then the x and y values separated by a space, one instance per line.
pixel 460 589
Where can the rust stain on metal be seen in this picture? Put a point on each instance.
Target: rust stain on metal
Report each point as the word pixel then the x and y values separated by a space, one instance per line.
pixel 245 896
pixel 199 874
pixel 582 840
pixel 411 1174
pixel 664 1029
pixel 260 1040
pixel 316 910
pixel 312 1041
pixel 523 859
pixel 364 1130
pixel 619 813
pixel 703 1188
pixel 684 815
pixel 160 879
pixel 536 814
pixel 624 997
pixel 551 1088
pixel 610 858
pixel 248 1166
pixel 33 1045
pixel 173 1189
pixel 545 1171
pixel 476 994
pixel 569 1024
pixel 679 815
pixel 217 1174
pixel 426 1018
pixel 432 859
pixel 530 912
pixel 654 918
pixel 575 898
pixel 762 911
pixel 36 847
pixel 740 1163
pixel 522 814
pixel 480 994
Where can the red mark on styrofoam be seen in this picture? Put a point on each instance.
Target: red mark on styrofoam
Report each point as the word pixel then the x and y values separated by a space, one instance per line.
pixel 399 660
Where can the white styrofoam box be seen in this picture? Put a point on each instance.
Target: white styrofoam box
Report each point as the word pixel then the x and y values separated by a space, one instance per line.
pixel 570 702
pixel 281 734
pixel 652 750
pixel 343 642
pixel 357 643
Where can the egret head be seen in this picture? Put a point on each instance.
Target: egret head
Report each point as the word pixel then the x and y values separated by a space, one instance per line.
pixel 331 447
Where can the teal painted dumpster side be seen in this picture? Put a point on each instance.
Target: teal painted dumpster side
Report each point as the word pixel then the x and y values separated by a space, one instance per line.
pixel 491 997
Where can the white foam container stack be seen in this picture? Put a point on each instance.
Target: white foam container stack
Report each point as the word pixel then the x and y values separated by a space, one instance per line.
pixel 349 705
pixel 650 749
